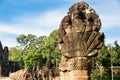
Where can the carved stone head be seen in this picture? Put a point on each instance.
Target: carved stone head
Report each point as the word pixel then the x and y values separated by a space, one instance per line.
pixel 79 34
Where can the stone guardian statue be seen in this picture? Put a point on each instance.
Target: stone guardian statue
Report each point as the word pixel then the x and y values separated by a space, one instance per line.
pixel 79 40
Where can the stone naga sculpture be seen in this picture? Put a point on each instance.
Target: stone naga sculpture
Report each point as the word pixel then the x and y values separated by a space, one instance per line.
pixel 79 40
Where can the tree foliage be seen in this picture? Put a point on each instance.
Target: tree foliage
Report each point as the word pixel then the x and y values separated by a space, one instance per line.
pixel 109 53
pixel 33 49
pixel 52 48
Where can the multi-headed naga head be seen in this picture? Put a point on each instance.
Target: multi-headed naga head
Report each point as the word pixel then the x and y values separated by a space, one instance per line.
pixel 79 34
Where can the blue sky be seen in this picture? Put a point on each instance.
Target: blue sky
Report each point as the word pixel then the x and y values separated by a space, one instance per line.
pixel 41 17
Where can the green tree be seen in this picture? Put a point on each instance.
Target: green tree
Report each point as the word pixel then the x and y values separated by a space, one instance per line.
pixel 33 49
pixel 28 53
pixel 25 41
pixel 14 52
pixel 109 58
pixel 52 49
pixel 103 58
pixel 115 54
pixel 108 53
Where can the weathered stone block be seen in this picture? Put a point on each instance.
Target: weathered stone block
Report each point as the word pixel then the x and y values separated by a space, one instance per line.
pixel 75 75
pixel 79 73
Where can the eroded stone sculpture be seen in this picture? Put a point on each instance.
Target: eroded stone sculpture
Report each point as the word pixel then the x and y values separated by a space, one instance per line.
pixel 79 40
pixel 6 66
pixel 47 73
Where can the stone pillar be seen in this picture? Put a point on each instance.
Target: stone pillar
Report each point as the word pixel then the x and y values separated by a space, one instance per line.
pixel 79 40
pixel 0 69
pixel 6 53
pixel 78 68
pixel 75 75
pixel 1 47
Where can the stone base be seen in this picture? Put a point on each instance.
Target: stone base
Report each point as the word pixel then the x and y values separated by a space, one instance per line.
pixel 75 75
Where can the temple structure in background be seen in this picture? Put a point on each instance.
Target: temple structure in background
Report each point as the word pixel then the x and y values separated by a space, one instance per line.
pixel 6 66
pixel 79 40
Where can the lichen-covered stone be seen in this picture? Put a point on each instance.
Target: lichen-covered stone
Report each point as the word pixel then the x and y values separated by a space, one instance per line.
pixel 79 40
pixel 79 31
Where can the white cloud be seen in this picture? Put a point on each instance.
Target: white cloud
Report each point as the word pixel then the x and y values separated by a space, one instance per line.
pixel 42 24
pixel 7 41
pixel 50 18
pixel 110 20
pixel 111 41
pixel 109 12
pixel 39 24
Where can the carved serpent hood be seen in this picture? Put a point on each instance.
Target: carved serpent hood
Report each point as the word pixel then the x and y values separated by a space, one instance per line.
pixel 79 34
